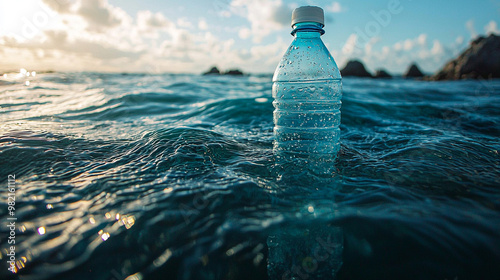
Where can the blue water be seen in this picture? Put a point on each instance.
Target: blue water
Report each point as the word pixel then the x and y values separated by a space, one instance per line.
pixel 173 177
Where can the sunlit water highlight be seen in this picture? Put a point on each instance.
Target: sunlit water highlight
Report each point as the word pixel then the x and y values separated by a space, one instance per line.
pixel 173 177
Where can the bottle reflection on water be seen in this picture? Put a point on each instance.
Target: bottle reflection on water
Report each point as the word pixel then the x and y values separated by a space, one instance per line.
pixel 314 252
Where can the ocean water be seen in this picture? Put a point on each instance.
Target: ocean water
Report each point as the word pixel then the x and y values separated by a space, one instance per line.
pixel 142 176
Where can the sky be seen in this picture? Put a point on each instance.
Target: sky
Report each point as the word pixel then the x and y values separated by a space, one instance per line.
pixel 156 36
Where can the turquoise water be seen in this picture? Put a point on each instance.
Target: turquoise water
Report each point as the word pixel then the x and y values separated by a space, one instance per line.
pixel 173 177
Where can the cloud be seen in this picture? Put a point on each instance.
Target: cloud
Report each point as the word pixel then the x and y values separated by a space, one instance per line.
pixel 149 20
pixel 56 40
pixel 422 39
pixel 491 28
pixel 470 27
pixel 93 31
pixel 350 45
pixel 202 24
pixel 61 7
pixel 244 33
pixel 335 7
pixel 437 48
pixel 100 14
pixel 264 16
pixel 269 54
pixel 371 42
pixel 412 43
pixel 184 23
pixel 104 37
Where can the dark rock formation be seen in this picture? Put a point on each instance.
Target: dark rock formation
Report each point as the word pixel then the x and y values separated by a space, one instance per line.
pixel 212 71
pixel 234 72
pixel 355 68
pixel 480 61
pixel 215 71
pixel 381 73
pixel 413 72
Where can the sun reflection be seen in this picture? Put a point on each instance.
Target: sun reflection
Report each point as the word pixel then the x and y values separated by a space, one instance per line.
pixel 128 222
pixel 137 276
pixel 168 190
pixel 105 236
pixel 20 264
pixel 41 230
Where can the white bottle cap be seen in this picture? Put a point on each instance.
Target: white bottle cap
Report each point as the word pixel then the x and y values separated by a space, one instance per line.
pixel 308 13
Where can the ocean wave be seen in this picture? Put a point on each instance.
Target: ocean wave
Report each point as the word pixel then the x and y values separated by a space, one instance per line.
pixel 175 175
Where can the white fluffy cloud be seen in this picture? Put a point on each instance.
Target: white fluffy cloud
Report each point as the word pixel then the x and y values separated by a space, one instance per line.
pixel 264 16
pixel 491 28
pixel 369 45
pixel 97 36
pixel 350 45
pixel 470 27
pixel 202 24
pixel 100 13
pixel 335 7
pixel 149 20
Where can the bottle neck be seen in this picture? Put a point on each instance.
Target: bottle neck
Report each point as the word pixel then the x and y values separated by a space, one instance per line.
pixel 307 30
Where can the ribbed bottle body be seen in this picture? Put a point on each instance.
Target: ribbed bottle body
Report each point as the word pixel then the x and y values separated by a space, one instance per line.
pixel 307 91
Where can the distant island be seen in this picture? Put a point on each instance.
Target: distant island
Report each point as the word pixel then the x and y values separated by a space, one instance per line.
pixel 232 72
pixel 355 68
pixel 481 60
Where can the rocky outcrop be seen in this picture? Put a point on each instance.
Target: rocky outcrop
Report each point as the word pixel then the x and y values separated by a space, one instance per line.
pixel 356 69
pixel 480 61
pixel 234 72
pixel 413 72
pixel 213 71
pixel 381 73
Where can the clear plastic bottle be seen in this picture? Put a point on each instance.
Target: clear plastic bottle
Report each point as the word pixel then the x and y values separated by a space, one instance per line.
pixel 307 91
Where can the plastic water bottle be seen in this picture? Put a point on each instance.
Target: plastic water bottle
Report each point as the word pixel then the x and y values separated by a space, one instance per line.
pixel 307 91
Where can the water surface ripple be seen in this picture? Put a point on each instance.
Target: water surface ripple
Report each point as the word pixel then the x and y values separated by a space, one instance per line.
pixel 173 177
